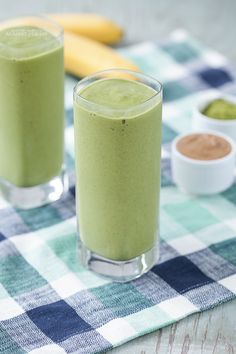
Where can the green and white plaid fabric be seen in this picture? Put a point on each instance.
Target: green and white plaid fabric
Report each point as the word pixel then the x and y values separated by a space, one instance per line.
pixel 50 304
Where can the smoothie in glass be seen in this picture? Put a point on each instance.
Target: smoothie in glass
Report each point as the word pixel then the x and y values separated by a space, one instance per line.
pixel 31 106
pixel 118 150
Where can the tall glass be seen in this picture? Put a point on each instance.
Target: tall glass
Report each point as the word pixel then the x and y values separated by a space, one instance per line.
pixel 31 112
pixel 117 116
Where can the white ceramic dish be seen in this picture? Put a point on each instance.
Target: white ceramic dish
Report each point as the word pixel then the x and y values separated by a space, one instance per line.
pixel 201 177
pixel 202 122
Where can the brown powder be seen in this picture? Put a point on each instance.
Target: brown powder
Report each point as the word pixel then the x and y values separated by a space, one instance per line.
pixel 203 146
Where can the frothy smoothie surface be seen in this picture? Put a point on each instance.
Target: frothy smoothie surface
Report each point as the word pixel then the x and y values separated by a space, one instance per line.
pixel 117 93
pixel 31 105
pixel 118 168
pixel 26 41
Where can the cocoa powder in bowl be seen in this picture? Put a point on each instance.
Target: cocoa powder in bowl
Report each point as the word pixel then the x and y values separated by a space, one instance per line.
pixel 202 146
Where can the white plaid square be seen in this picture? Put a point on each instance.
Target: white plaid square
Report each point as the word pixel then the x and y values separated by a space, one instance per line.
pixel 48 349
pixel 178 307
pixel 9 308
pixel 187 244
pixel 117 331
pixel 67 285
pixel 229 283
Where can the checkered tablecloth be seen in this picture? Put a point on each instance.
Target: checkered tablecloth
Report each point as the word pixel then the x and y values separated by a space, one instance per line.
pixel 50 304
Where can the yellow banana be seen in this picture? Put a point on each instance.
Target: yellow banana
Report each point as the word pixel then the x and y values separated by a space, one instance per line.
pixel 90 25
pixel 84 56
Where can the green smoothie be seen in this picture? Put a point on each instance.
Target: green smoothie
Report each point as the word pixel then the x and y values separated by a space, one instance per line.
pixel 118 167
pixel 31 105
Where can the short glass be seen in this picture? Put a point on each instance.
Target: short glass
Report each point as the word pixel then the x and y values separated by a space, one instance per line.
pixel 31 112
pixel 117 116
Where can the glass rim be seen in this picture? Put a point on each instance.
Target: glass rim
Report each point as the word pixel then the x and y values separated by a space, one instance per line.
pixel 42 17
pixel 82 83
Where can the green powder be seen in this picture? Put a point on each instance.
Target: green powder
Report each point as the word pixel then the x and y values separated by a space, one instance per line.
pixel 220 109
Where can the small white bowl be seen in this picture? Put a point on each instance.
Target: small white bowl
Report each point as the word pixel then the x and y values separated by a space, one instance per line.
pixel 202 122
pixel 203 177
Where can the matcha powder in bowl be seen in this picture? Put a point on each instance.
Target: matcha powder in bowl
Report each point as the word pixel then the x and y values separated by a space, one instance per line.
pixel 216 114
pixel 220 109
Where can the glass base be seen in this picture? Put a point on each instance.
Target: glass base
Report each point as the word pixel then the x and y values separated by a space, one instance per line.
pixel 119 271
pixel 33 197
